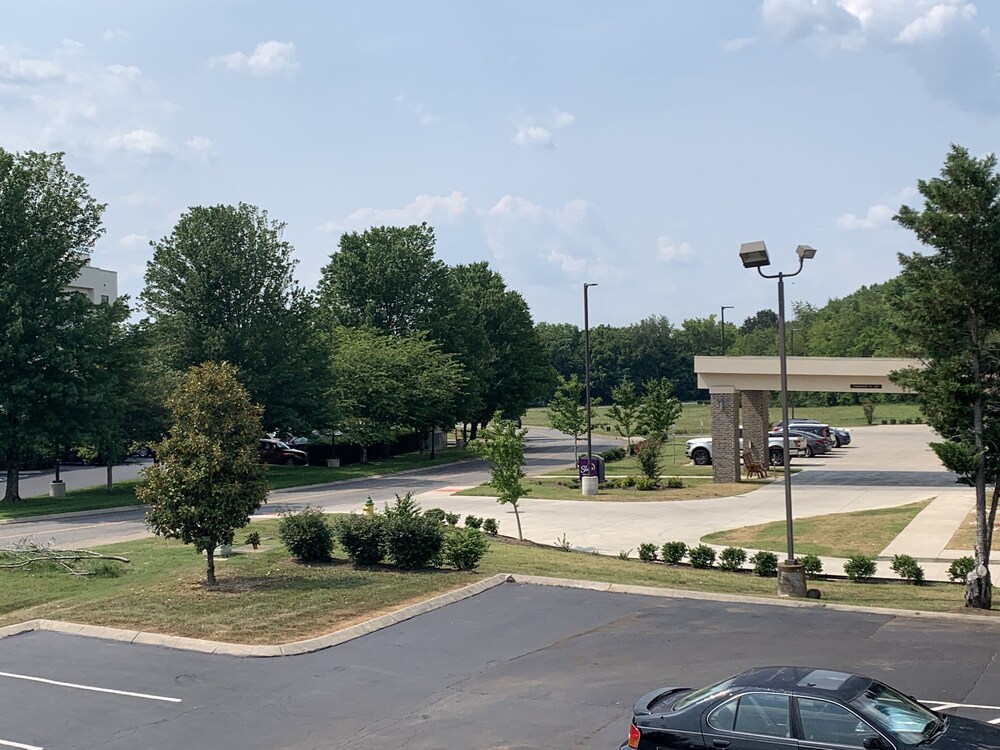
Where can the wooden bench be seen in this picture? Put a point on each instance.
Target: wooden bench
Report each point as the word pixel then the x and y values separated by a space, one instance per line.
pixel 754 468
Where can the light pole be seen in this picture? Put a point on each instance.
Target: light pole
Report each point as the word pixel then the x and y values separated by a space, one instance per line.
pixel 589 482
pixel 791 573
pixel 723 316
pixel 791 345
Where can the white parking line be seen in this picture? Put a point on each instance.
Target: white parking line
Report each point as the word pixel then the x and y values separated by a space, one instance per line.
pixel 20 745
pixel 89 687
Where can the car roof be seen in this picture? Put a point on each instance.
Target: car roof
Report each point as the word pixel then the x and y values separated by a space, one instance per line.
pixel 805 680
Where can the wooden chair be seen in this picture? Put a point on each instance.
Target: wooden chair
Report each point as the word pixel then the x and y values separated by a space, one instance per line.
pixel 754 468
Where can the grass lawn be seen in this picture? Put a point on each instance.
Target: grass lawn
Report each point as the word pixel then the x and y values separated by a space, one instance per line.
pixel 560 489
pixel 265 597
pixel 964 539
pixel 696 418
pixel 280 477
pixel 865 532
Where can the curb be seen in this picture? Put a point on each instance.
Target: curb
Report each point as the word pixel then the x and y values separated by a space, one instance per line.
pixel 247 650
pixel 71 514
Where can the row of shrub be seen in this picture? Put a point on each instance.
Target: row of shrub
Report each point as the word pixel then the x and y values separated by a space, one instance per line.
pixel 401 534
pixel 642 484
pixel 861 568
pixel 915 420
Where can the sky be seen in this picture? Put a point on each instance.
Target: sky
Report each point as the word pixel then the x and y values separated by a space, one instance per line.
pixel 634 145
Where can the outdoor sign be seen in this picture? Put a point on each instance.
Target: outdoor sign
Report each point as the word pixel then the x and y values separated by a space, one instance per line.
pixel 867 386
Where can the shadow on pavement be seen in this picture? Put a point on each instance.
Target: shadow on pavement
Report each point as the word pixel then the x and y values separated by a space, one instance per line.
pixel 876 478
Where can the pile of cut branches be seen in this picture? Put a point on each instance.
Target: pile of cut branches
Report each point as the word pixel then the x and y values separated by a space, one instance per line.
pixel 26 553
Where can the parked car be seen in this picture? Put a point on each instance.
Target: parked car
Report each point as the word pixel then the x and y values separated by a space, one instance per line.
pixel 818 428
pixel 798 707
pixel 699 449
pixel 273 451
pixel 815 445
pixel 841 436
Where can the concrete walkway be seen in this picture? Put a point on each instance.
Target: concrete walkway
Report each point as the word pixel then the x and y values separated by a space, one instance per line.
pixel 885 466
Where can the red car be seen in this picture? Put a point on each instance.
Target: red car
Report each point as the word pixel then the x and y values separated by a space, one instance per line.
pixel 273 451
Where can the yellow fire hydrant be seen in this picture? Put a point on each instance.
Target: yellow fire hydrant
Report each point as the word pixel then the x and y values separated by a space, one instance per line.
pixel 370 507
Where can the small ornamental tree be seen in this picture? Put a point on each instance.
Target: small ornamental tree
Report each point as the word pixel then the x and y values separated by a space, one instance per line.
pixel 660 409
pixel 501 444
pixel 625 408
pixel 566 412
pixel 208 480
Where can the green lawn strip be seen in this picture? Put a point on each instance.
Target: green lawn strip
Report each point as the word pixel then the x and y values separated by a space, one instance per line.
pixel 94 498
pixel 265 597
pixel 865 532
pixel 562 489
pixel 964 538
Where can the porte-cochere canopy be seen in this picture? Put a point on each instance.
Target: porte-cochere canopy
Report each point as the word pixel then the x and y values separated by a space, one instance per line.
pixel 743 384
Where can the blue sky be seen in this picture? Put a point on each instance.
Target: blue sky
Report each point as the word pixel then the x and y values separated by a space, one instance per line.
pixel 631 144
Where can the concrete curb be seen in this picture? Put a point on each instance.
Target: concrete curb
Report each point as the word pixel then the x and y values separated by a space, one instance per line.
pixel 72 514
pixel 246 650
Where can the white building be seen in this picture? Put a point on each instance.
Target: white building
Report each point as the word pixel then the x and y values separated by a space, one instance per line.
pixel 98 284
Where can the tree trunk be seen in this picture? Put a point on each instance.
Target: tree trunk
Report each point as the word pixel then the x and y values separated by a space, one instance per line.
pixel 517 517
pixel 111 480
pixel 474 431
pixel 210 566
pixel 979 588
pixel 12 493
pixel 364 454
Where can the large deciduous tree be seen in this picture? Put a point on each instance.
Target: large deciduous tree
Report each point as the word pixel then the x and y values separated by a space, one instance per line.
pixel 950 317
pixel 50 338
pixel 220 288
pixel 208 480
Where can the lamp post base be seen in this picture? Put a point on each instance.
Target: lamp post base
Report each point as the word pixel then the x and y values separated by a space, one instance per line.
pixel 791 579
pixel 589 485
pixel 57 489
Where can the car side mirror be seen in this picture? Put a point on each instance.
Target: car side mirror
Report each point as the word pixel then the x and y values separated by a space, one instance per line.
pixel 873 743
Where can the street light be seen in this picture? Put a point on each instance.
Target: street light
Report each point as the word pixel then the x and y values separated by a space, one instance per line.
pixel 589 482
pixel 724 308
pixel 791 573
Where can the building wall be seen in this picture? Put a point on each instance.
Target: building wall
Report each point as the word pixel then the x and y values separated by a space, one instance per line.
pixel 96 284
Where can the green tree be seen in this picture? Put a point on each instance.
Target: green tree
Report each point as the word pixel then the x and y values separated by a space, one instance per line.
pixel 660 409
pixel 220 288
pixel 501 444
pixel 387 384
pixel 50 338
pixel 950 317
pixel 563 344
pixel 566 413
pixel 208 480
pixel 625 410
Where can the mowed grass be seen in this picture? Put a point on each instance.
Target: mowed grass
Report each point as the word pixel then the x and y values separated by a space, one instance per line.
pixel 865 532
pixel 964 539
pixel 560 489
pixel 696 418
pixel 266 597
pixel 280 477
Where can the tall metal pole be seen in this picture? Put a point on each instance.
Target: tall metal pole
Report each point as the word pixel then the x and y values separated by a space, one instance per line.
pixel 784 414
pixel 791 345
pixel 724 308
pixel 586 369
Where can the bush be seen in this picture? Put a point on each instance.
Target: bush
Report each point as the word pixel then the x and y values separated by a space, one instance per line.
pixel 563 544
pixel 464 548
pixel 412 540
pixel 628 481
pixel 490 526
pixel 649 459
pixel 645 484
pixel 436 513
pixel 624 553
pixel 615 454
pixel 675 483
pixel 473 522
pixel 106 569
pixel 907 568
pixel 452 518
pixel 732 558
pixel 647 552
pixel 702 556
pixel 308 535
pixel 960 568
pixel 673 552
pixel 765 564
pixel 812 564
pixel 363 537
pixel 860 568
pixel 253 539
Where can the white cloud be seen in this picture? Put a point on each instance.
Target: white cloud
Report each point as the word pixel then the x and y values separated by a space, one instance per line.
pixel 267 58
pixel 669 251
pixel 27 69
pixel 138 142
pixel 429 208
pixel 933 24
pixel 513 205
pixel 534 135
pixel 567 262
pixel 562 120
pixel 199 145
pixel 737 44
pixel 131 241
pixel 115 35
pixel 877 216
pixel 417 110
pixel 128 72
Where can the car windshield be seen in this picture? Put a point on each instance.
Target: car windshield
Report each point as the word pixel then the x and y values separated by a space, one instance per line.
pixel 704 693
pixel 897 713
pixel 281 445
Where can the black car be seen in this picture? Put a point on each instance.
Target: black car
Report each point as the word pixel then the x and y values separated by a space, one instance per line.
pixel 799 708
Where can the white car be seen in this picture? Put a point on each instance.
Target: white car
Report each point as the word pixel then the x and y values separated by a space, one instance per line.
pixel 699 449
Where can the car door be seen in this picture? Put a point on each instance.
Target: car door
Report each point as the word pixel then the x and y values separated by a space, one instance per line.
pixel 750 721
pixel 826 725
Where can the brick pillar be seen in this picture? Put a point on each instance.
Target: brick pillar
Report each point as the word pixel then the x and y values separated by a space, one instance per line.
pixel 755 423
pixel 725 437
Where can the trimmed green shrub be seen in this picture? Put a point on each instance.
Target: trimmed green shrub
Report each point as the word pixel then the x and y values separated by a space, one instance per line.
pixel 452 518
pixel 614 454
pixel 436 513
pixel 307 534
pixel 647 552
pixel 473 522
pixel 464 548
pixel 363 537
pixel 675 483
pixel 645 484
pixel 628 481
pixel 649 460
pixel 960 568
pixel 490 526
pixel 907 568
pixel 812 564
pixel 860 568
pixel 673 552
pixel 765 564
pixel 701 556
pixel 732 558
pixel 412 540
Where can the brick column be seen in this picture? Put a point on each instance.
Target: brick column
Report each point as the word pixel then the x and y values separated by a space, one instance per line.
pixel 725 437
pixel 755 423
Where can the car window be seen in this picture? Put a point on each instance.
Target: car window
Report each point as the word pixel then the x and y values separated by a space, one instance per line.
pixel 756 713
pixel 702 694
pixel 724 717
pixel 898 713
pixel 829 724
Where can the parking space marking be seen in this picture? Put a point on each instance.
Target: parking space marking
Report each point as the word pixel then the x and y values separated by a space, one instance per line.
pixel 21 745
pixel 91 688
pixel 947 706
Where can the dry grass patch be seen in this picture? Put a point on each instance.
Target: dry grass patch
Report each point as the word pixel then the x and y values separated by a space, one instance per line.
pixel 964 538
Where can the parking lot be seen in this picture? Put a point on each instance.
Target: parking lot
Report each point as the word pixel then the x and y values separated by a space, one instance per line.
pixel 519 666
